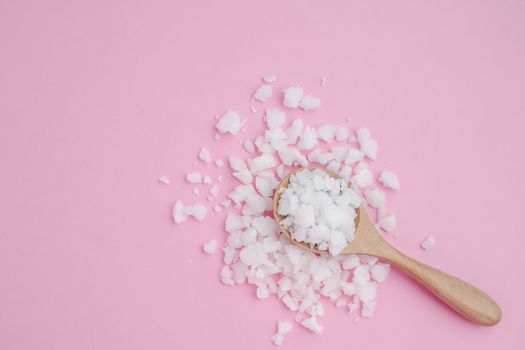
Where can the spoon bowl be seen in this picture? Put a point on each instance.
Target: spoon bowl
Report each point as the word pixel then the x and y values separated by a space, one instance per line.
pixel 464 298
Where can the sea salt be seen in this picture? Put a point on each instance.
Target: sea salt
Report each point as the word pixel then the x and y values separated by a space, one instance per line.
pixel 210 246
pixel 263 93
pixel 317 210
pixel 292 96
pixel 204 155
pixel 428 242
pixel 164 180
pixel 389 180
pixel 230 122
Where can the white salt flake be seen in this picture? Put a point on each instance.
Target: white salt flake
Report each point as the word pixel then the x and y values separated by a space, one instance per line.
pixel 248 146
pixel 312 325
pixel 428 242
pixel 263 93
pixel 164 180
pixel 194 177
pixel 341 133
pixel 229 122
pixel 326 132
pixel 270 78
pixel 204 155
pixel 308 138
pixel 387 222
pixel 379 272
pixel 274 118
pixel 375 198
pixel 219 163
pixel 237 164
pixel 292 96
pixel 210 246
pixel 389 180
pixel 309 102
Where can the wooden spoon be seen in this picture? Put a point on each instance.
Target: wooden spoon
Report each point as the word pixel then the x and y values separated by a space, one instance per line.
pixel 467 300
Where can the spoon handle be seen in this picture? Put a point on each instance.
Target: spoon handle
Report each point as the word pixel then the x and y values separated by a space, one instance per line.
pixel 464 298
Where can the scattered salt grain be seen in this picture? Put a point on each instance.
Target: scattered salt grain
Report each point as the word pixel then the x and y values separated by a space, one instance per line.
pixel 253 109
pixel 309 102
pixel 274 118
pixel 229 122
pixel 387 223
pixel 180 212
pixel 308 138
pixel 217 137
pixel 389 180
pixel 428 242
pixel 375 198
pixel 214 191
pixel 219 178
pixel 219 163
pixel 237 164
pixel 263 93
pixel 312 325
pixel 270 78
pixel 363 178
pixel 379 272
pixel 164 180
pixel 283 328
pixel 292 96
pixel 210 246
pixel 341 133
pixel 204 155
pixel 194 177
pixel 326 132
pixel 217 208
pixel 206 180
pixel 196 191
pixel 248 146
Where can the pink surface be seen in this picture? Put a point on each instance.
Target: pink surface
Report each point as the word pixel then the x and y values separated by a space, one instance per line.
pixel 99 99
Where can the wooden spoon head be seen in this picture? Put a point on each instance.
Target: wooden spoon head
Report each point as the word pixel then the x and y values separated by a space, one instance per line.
pixel 363 224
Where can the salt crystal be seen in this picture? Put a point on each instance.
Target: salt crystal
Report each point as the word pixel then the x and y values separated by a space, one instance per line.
pixel 164 180
pixel 210 246
pixel 263 93
pixel 375 198
pixel 380 272
pixel 326 132
pixel 196 191
pixel 198 211
pixel 308 138
pixel 219 163
pixel 217 137
pixel 217 208
pixel 204 155
pixel 341 133
pixel 253 109
pixel 294 131
pixel 292 96
pixel 428 242
pixel 194 177
pixel 274 118
pixel 229 122
pixel 248 146
pixel 312 325
pixel 262 162
pixel 206 180
pixel 244 176
pixel 387 223
pixel 270 78
pixel 178 213
pixel 389 180
pixel 214 191
pixel 237 164
pixel 308 103
pixel 363 178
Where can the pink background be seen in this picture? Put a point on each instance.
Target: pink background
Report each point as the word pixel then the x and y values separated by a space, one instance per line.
pixel 99 99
